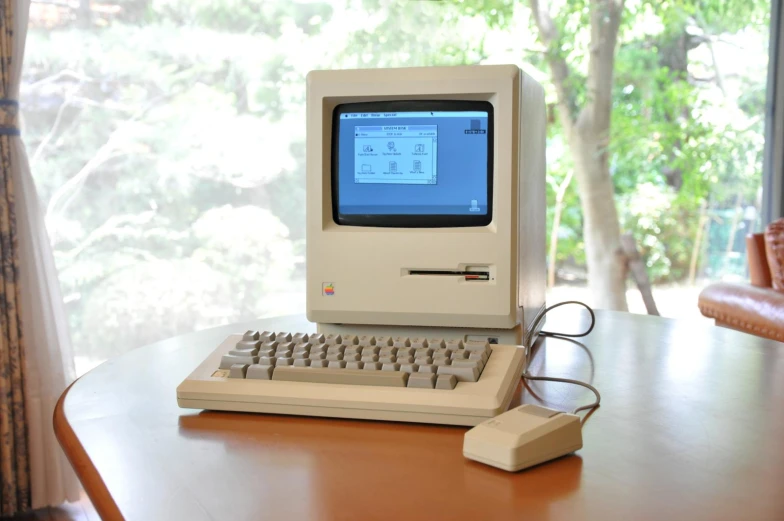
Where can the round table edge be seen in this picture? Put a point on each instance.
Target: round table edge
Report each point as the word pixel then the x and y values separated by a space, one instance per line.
pixel 83 466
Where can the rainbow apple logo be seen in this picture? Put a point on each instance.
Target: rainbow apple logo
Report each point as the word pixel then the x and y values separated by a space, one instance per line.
pixel 328 289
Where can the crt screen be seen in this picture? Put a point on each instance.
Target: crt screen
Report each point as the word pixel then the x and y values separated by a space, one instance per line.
pixel 413 163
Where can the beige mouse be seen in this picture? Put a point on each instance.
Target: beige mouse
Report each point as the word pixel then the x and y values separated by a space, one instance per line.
pixel 523 437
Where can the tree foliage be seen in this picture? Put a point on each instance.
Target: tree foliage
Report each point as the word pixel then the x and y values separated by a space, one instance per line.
pixel 167 136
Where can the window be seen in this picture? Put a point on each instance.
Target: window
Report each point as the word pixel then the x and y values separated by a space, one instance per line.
pixel 166 138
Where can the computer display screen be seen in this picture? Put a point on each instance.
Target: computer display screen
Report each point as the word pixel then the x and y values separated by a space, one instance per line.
pixel 413 163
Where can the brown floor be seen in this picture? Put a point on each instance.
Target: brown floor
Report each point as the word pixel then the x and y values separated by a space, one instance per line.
pixel 81 510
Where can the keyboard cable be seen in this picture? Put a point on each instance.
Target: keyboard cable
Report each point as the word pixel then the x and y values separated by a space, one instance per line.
pixel 554 334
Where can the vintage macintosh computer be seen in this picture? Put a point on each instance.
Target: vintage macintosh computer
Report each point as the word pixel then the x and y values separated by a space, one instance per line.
pixel 425 254
pixel 426 202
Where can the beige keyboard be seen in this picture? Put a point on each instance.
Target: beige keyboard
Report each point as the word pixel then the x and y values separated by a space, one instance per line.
pixel 427 380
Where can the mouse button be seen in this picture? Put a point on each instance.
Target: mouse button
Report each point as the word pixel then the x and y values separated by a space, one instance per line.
pixel 535 410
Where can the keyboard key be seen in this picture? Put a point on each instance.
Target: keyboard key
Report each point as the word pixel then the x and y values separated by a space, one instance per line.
pixel 352 350
pixel 351 357
pixel 405 351
pixel 333 339
pixel 354 365
pixel 422 381
pixel 474 345
pixel 478 355
pixel 372 366
pixel 442 361
pixel 426 368
pixel 478 364
pixel 317 356
pixel 238 371
pixel 446 381
pixel 370 350
pixel 283 354
pixel 283 337
pixel 463 374
pixel 341 376
pixel 401 341
pixel 265 360
pixel 387 359
pixel 301 362
pixel 259 372
pixel 319 348
pixel 227 361
pixel 367 340
pixel 388 351
pixel 300 355
pixel 299 337
pixel 459 354
pixel 318 363
pixel 423 352
pixel 336 364
pixel 418 343
pixel 436 343
pixel 454 344
pixel 409 368
pixel 423 361
pixel 349 340
pixel 370 358
pixel 284 362
pixel 251 335
pixel 340 348
pixel 384 341
pixel 286 346
pixel 267 336
pixel 272 344
pixel 243 352
pixel 247 345
pixel 334 357
pixel 390 367
pixel 468 363
pixel 302 346
pixel 316 338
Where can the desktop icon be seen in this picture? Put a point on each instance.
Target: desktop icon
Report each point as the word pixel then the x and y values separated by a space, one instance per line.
pixel 392 167
pixel 366 168
pixel 474 206
pixel 367 148
pixel 391 146
pixel 417 166
pixel 419 148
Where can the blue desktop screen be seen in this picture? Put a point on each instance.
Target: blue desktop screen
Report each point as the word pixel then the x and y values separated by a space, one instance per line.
pixel 413 163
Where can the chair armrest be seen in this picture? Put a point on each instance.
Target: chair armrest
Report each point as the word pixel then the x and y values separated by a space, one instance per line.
pixel 759 271
pixel 758 311
pixel 774 248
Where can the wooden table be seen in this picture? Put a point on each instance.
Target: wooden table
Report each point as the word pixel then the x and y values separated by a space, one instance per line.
pixel 691 427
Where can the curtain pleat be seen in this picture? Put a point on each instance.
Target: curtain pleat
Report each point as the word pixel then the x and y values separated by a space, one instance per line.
pixel 14 456
pixel 15 495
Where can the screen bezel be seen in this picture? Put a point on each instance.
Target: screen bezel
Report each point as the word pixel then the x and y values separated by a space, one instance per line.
pixel 404 220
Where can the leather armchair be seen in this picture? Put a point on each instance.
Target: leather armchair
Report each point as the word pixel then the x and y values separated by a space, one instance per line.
pixel 756 308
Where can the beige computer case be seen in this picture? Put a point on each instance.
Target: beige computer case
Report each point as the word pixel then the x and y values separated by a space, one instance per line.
pixel 358 277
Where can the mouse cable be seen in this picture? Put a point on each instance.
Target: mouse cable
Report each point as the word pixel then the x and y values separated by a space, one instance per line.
pixel 595 391
pixel 537 320
pixel 540 316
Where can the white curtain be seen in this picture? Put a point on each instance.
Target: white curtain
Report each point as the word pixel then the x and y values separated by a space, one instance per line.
pixel 50 364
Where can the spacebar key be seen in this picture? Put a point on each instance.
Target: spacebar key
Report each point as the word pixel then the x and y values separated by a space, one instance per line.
pixel 340 376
